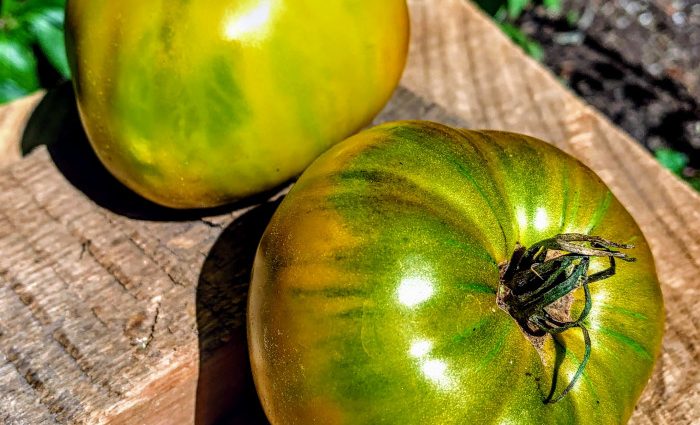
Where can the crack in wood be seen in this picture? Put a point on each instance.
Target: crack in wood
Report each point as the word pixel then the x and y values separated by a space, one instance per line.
pixel 120 277
pixel 211 223
pixel 153 327
pixel 143 342
pixel 96 313
pixel 83 248
pixel 163 267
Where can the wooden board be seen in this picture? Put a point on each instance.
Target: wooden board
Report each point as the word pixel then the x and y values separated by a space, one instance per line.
pixel 12 123
pixel 113 310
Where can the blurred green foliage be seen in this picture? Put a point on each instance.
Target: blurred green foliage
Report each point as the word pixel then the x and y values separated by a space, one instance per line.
pixel 506 12
pixel 32 52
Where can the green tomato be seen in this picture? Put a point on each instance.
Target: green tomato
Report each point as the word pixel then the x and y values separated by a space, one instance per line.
pixel 197 105
pixel 392 286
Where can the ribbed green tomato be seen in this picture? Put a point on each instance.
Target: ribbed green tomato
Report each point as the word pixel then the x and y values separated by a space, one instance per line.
pixel 377 294
pixel 196 104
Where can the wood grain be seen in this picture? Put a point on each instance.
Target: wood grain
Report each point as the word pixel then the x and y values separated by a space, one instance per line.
pixel 114 310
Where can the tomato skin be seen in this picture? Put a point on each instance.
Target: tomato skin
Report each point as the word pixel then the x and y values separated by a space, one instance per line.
pixel 373 296
pixel 197 106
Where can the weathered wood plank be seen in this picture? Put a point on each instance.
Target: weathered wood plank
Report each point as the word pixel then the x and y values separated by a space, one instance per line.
pixel 111 308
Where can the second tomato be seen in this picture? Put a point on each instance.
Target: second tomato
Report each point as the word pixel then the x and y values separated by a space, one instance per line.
pixel 194 105
pixel 420 274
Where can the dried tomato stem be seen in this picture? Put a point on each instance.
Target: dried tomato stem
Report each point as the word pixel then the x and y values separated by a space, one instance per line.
pixel 548 271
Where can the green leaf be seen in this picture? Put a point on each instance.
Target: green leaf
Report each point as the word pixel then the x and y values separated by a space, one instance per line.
pixel 673 160
pixel 10 7
pixel 516 7
pixel 552 5
pixel 26 24
pixel 535 50
pixel 501 15
pixel 18 8
pixel 514 33
pixel 47 26
pixel 9 90
pixel 530 46
pixel 17 64
pixel 695 183
pixel 18 70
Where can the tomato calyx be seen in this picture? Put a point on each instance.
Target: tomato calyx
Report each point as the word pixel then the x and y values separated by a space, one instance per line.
pixel 537 282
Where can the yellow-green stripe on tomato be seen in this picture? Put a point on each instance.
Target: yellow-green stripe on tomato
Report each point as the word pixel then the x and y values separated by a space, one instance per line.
pixel 391 287
pixel 196 104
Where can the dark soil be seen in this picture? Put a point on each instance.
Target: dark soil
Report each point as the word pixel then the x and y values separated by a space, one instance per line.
pixel 638 61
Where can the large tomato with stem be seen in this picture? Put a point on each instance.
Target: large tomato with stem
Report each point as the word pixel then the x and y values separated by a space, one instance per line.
pixel 419 274
pixel 196 104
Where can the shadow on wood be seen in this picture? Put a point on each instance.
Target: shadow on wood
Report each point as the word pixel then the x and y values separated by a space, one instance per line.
pixel 225 390
pixel 56 124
